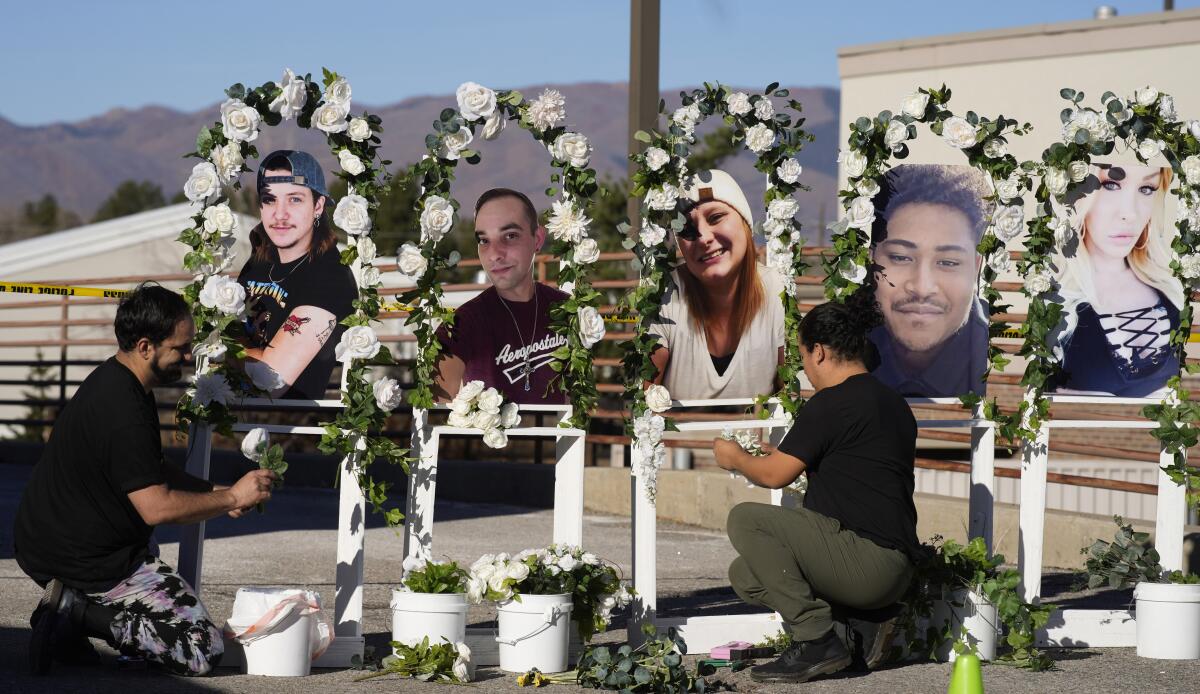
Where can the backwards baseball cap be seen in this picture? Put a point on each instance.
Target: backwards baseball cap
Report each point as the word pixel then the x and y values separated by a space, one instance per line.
pixel 305 172
pixel 714 184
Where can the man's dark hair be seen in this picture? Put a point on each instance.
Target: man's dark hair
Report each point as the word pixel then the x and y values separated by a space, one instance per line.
pixel 497 193
pixel 957 187
pixel 149 311
pixel 843 327
pixel 322 239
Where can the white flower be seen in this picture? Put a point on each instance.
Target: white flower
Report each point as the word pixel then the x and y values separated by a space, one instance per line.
pixel 686 115
pixel 914 105
pixel 854 161
pixel 264 377
pixel 589 559
pixel 460 419
pixel 485 421
pixel 494 125
pixel 1190 266
pixel 437 218
pixel 224 295
pixel 255 443
pixel 1057 181
pixel 995 148
pixel 958 132
pixel 330 117
pixel 1009 188
pixel 359 130
pixel 868 187
pixel 496 582
pixel 567 222
pixel 1193 127
pixel 485 560
pixel 239 121
pixel 463 669
pixel 350 163
pixel 292 97
pixel 586 253
pixel 853 272
pixel 490 401
pixel 783 208
pixel 1078 170
pixel 649 427
pixel 1063 230
pixel 861 213
pixel 571 148
pixel 1191 169
pixel 454 143
pixel 518 571
pixel 475 101
pixel 365 248
pixel 1096 126
pixel 662 198
pixel 352 215
pixel 1149 148
pixel 510 415
pixel 897 133
pixel 656 158
pixel 1146 96
pixel 738 103
pixel 228 160
pixel 210 388
pixel 410 262
pixel 591 326
pixel 1166 108
pixel 764 109
pixel 1008 221
pixel 220 219
pixel 204 184
pixel 760 138
pixel 651 234
pixel 775 228
pixel 1038 283
pixel 469 391
pixel 789 171
pixel 476 587
pixel 358 342
pixel 658 398
pixel 567 563
pixel 548 109
pixel 387 394
pixel 495 438
pixel 1000 261
pixel 212 349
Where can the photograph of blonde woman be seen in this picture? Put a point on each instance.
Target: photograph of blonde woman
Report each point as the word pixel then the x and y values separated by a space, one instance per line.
pixel 1120 299
pixel 720 329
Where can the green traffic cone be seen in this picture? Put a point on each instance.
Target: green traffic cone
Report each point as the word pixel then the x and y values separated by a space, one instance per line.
pixel 967 677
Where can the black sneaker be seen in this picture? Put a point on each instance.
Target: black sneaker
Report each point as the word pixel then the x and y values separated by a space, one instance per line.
pixel 804 660
pixel 868 634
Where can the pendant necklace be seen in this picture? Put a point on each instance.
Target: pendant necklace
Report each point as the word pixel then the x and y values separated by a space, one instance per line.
pixel 271 271
pixel 526 369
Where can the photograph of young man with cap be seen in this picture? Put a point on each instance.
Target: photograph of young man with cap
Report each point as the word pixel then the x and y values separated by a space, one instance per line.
pixel 934 338
pixel 502 337
pixel 720 329
pixel 297 290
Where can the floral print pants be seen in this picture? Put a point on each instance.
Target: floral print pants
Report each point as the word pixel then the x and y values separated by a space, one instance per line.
pixel 162 620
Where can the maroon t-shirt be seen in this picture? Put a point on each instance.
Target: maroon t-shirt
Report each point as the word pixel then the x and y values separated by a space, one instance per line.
pixel 488 341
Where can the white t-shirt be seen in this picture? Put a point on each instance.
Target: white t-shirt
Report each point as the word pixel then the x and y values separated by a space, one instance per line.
pixel 690 371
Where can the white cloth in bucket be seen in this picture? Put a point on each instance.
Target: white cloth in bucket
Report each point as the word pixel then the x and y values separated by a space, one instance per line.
pixel 260 612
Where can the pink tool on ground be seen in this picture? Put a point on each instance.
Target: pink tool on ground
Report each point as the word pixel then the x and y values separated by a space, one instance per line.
pixel 722 652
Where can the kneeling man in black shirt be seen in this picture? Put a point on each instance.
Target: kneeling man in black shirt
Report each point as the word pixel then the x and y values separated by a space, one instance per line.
pixel 853 543
pixel 84 522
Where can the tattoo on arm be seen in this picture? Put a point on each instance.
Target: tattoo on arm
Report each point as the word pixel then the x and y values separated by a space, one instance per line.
pixel 293 324
pixel 324 334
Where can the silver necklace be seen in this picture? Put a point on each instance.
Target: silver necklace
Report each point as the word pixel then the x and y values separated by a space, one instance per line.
pixel 271 271
pixel 526 369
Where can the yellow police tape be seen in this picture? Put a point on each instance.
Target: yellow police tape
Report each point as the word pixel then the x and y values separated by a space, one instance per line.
pixel 60 290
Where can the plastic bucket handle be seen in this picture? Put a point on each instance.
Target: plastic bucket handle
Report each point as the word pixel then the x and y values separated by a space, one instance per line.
pixel 549 616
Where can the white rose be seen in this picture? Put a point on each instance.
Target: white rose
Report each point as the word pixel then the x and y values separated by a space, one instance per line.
pixel 1190 266
pixel 292 97
pixel 789 171
pixel 651 234
pixel 896 134
pixel 475 101
pixel 494 125
pixel 853 272
pixel 1166 108
pixel 1057 181
pixel 411 564
pixel 239 121
pixel 1038 283
pixel 352 215
pixel 358 342
pixel 738 103
pixel 776 227
pixel 1009 188
pixel 220 219
pixel 490 401
pixel 571 148
pixel 469 391
pixel 1193 127
pixel 567 222
pixel 330 117
pixel 658 398
pixel 485 421
pixel 586 253
pixel 410 262
pixel 210 388
pixel 496 582
pixel 1008 222
pixel 995 148
pixel 915 104
pixel 454 143
pixel 350 163
pixel 339 92
pixel 1149 148
pixel 764 109
pixel 1078 170
pixel 228 160
pixel 760 138
pixel 686 115
pixel 861 213
pixel 854 161
pixel 1062 228
pixel 475 590
pixel 1098 128
pixel 591 326
pixel 518 571
pixel 783 208
pixel 437 218
pixel 959 133
pixel 1000 261
pixel 1191 169
pixel 656 158
pixel 1146 96
pixel 204 184
pixel 359 130
pixel 462 667
pixel 510 415
pixel 387 394
pixel 460 419
pixel 662 198
pixel 214 352
pixel 365 248
pixel 255 444
pixel 223 294
pixel 567 563
pixel 495 438
pixel 589 559
pixel 868 187
pixel 548 109
pixel 649 426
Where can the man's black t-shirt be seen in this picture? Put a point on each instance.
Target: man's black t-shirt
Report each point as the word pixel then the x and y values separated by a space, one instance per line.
pixel 75 521
pixel 858 440
pixel 274 290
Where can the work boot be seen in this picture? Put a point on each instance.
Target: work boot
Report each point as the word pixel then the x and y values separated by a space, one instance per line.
pixel 804 660
pixel 868 634
pixel 51 620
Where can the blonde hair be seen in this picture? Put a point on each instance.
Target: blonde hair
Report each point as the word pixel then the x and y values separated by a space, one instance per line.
pixel 1151 264
pixel 748 299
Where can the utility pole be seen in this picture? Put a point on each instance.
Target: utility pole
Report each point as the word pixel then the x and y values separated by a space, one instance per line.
pixel 643 82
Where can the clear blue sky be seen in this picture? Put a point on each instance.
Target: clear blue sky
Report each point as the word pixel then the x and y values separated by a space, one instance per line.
pixel 64 60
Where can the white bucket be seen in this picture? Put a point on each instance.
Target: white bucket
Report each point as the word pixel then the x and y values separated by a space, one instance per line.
pixel 534 633
pixel 281 630
pixel 438 616
pixel 1168 620
pixel 970 615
